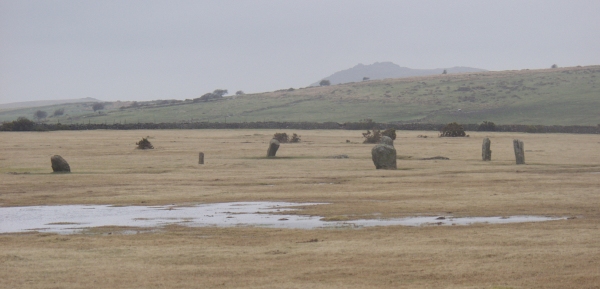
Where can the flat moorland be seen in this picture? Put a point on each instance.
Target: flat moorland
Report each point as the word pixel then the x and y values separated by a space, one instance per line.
pixel 560 178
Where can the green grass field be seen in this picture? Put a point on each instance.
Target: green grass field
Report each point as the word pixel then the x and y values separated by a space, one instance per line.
pixel 561 96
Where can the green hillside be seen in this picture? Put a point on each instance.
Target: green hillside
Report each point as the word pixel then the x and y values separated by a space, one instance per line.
pixel 560 96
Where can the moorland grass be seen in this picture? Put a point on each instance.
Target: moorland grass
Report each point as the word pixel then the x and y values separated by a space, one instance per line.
pixel 559 179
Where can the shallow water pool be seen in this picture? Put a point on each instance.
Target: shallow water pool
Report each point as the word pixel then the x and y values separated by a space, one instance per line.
pixel 69 219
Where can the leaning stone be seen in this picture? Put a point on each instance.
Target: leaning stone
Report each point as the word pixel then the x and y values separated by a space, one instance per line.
pixel 60 165
pixel 486 153
pixel 384 154
pixel 519 151
pixel 273 147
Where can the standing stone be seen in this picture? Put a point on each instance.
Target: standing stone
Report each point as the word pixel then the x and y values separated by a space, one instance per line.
pixel 60 165
pixel 201 158
pixel 384 154
pixel 519 151
pixel 486 153
pixel 273 147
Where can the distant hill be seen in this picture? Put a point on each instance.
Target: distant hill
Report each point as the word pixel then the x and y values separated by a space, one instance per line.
pixel 383 70
pixel 39 103
pixel 559 96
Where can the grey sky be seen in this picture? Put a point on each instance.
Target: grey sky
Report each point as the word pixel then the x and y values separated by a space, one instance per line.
pixel 144 50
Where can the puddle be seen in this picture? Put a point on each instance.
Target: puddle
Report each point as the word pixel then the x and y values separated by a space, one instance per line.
pixel 70 219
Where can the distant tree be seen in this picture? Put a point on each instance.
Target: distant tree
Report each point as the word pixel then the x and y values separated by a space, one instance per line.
pixel 325 82
pixel 40 114
pixel 220 92
pixel 98 106
pixel 59 112
pixel 445 72
pixel 365 78
pixel 554 66
pixel 239 92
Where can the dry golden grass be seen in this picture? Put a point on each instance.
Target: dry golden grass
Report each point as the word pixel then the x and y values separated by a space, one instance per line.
pixel 561 178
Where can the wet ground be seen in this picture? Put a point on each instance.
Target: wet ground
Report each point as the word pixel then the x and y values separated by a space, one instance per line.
pixel 70 219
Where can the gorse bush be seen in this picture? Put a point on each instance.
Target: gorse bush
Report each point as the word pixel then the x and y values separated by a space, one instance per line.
pixel 372 136
pixel 390 132
pixel 295 138
pixel 283 137
pixel 452 130
pixel 144 144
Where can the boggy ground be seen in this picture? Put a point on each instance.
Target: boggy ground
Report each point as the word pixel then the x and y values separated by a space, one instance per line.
pixel 561 178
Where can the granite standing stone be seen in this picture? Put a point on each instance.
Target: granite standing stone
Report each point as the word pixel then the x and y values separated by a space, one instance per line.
pixel 60 165
pixel 273 147
pixel 519 151
pixel 384 154
pixel 486 153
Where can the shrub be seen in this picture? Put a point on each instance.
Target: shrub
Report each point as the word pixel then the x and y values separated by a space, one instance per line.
pixel 295 138
pixel 452 130
pixel 325 82
pixel 487 126
pixel 372 137
pixel 21 124
pixel 144 144
pixel 239 92
pixel 282 137
pixel 390 132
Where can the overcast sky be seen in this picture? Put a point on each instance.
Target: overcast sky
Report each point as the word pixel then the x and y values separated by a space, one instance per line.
pixel 146 49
